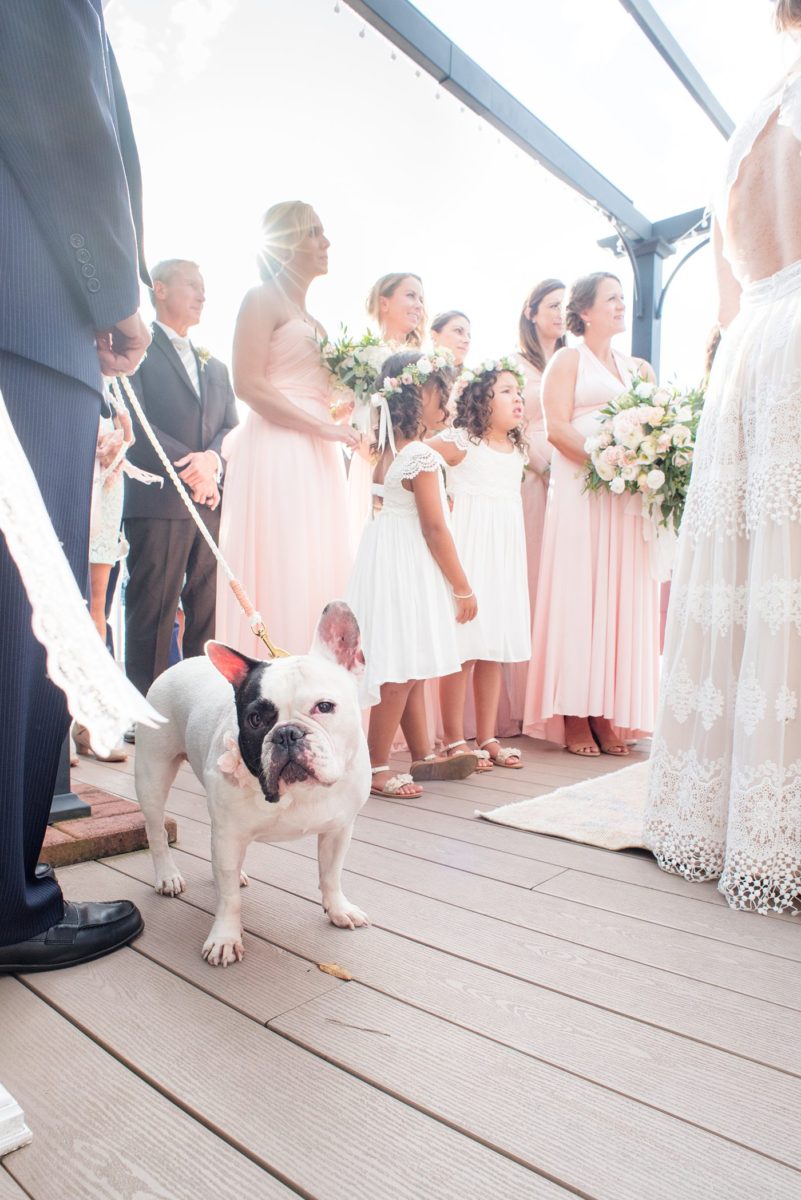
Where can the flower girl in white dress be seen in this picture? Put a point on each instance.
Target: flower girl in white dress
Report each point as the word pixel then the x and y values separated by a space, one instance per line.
pixel 485 452
pixel 408 589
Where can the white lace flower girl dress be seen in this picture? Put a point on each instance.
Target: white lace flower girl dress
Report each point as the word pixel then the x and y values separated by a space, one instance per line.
pixel 401 599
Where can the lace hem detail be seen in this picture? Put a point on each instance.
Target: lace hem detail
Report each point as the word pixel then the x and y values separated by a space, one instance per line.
pixel 98 694
pixel 742 826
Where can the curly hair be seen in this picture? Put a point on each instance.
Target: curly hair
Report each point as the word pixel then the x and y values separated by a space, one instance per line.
pixel 406 405
pixel 581 297
pixel 474 410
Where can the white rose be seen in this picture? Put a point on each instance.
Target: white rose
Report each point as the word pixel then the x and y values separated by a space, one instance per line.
pixel 681 435
pixel 424 365
pixel 407 378
pixel 604 469
pixel 655 479
pixel 645 390
pixel 617 485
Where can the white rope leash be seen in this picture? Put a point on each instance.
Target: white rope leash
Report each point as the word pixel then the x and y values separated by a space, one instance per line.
pixel 255 618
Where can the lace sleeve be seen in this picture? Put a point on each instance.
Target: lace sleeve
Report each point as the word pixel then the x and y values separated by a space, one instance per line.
pixel 417 458
pixel 460 437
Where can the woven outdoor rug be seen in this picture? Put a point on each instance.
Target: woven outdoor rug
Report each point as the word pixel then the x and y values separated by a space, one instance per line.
pixel 607 811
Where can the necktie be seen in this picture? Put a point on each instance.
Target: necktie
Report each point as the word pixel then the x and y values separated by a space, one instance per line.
pixel 184 351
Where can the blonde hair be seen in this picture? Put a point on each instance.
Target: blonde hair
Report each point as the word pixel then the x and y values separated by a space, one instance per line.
pixel 386 286
pixel 787 15
pixel 283 228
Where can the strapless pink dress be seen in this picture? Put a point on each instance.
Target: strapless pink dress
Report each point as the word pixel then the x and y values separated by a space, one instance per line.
pixel 284 527
pixel 595 638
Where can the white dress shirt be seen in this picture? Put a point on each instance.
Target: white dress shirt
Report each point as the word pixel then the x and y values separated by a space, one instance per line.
pixel 183 348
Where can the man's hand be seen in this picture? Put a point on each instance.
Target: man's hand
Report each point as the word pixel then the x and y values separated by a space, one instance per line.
pixel 199 469
pixel 122 348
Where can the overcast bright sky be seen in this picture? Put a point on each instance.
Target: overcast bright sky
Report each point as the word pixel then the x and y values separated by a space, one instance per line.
pixel 240 103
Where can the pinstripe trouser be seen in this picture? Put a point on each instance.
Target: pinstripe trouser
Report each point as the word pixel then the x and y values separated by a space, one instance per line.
pixel 55 418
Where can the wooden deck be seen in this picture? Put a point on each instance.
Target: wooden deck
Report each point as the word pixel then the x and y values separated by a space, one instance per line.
pixel 527 1018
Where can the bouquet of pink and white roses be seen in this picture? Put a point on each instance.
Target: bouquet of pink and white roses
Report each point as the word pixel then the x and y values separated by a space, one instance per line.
pixel 645 445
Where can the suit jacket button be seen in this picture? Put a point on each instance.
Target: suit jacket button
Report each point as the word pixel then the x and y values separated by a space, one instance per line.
pixel 88 270
pixel 77 241
pixel 82 255
pixel 93 285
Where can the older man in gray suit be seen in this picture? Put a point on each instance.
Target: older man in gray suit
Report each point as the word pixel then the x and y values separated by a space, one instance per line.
pixel 69 297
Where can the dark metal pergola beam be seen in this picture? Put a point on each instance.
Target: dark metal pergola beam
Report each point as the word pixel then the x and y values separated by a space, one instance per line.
pixel 407 28
pixel 671 51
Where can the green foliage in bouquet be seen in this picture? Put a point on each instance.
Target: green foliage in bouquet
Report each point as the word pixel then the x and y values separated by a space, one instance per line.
pixel 354 364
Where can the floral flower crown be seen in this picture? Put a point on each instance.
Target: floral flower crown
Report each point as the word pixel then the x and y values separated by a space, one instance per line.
pixel 490 366
pixel 415 375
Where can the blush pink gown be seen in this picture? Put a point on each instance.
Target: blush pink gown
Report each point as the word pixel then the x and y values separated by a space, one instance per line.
pixel 595 637
pixel 284 528
pixel 535 494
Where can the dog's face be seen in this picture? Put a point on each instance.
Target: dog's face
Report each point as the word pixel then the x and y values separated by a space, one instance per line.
pixel 299 718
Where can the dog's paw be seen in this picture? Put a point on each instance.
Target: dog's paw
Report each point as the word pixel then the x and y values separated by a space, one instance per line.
pixel 244 880
pixel 346 915
pixel 222 950
pixel 170 885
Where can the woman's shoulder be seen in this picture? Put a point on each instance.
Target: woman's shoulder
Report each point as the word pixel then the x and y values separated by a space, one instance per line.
pixel 564 364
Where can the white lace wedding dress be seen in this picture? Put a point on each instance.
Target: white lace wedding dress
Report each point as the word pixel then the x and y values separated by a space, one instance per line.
pixel 725 775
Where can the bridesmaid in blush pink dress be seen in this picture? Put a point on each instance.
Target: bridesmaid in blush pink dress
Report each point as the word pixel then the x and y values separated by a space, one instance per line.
pixel 284 525
pixel 593 677
pixel 540 335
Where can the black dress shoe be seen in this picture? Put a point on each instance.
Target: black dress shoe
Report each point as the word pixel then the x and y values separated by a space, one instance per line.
pixel 86 931
pixel 44 871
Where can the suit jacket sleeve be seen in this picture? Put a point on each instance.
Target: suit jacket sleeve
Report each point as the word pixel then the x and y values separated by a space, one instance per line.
pixel 142 453
pixel 59 137
pixel 231 418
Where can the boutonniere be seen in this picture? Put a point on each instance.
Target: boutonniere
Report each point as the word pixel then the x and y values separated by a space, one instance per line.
pixel 203 356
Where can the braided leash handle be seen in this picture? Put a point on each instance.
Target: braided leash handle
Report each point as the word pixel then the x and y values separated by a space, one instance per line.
pixel 245 603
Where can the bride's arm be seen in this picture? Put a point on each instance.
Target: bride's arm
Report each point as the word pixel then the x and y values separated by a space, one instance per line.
pixel 255 326
pixel 729 289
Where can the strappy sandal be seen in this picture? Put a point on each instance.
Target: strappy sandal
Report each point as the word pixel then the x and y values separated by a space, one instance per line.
pixel 584 749
pixel 483 760
pixel 80 735
pixel 504 756
pixel 616 747
pixel 394 785
pixel 453 766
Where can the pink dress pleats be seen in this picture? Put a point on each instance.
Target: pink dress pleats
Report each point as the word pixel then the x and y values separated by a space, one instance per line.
pixel 595 637
pixel 284 528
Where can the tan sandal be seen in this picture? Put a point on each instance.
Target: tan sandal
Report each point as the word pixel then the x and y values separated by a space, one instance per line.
pixel 452 766
pixel 80 735
pixel 394 785
pixel 483 760
pixel 584 749
pixel 504 756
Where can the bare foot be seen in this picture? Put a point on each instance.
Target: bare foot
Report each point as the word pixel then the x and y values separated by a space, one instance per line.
pixel 578 737
pixel 606 737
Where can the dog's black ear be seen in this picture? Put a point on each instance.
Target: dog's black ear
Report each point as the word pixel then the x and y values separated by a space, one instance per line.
pixel 338 637
pixel 232 665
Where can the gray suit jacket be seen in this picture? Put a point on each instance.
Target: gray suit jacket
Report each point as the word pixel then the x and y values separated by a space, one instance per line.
pixel 182 421
pixel 68 213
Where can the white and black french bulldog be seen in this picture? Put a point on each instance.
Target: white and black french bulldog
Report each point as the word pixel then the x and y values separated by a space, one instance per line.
pixel 280 749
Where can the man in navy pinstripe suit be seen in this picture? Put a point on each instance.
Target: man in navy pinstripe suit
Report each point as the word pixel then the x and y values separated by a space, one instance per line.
pixel 70 198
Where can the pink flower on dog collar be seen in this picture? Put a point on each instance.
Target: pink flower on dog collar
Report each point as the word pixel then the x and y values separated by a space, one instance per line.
pixel 231 763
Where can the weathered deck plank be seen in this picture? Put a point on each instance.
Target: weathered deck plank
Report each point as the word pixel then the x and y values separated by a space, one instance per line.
pixel 98 1130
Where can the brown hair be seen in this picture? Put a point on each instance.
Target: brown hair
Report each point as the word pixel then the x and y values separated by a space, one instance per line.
pixel 581 297
pixel 406 405
pixel 527 337
pixel 439 322
pixel 387 285
pixel 474 409
pixel 283 228
pixel 787 15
